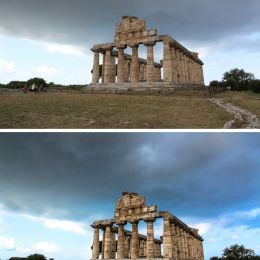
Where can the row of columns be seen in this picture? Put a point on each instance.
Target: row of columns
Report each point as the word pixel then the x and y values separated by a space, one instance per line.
pixel 128 245
pixel 180 67
pixel 132 70
pixel 179 243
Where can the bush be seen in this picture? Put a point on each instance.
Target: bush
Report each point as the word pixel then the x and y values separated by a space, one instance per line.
pixel 255 86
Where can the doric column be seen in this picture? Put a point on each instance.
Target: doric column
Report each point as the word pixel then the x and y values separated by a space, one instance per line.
pixel 120 240
pixel 95 74
pixel 182 79
pixel 134 64
pixel 107 242
pixel 150 253
pixel 113 244
pixel 126 70
pixel 150 61
pixel 174 241
pixel 121 64
pixel 95 249
pixel 178 72
pixel 167 241
pixel 167 62
pixel 201 74
pixel 185 68
pixel 141 72
pixel 182 244
pixel 178 242
pixel 186 252
pixel 103 67
pixel 126 246
pixel 174 65
pixel 134 240
pixel 113 71
pixel 158 251
pixel 108 66
pixel 141 249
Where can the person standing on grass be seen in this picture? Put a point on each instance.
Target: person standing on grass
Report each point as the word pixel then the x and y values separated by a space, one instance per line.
pixel 25 89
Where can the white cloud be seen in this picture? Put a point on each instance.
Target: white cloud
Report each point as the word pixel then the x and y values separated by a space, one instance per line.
pixel 46 247
pixel 8 67
pixel 65 49
pixel 44 71
pixel 69 226
pixel 65 225
pixel 7 243
pixel 203 227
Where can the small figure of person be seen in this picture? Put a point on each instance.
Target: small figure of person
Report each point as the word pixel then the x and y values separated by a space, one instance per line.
pixel 25 89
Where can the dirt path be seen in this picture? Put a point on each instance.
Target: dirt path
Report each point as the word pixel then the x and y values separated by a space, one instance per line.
pixel 243 118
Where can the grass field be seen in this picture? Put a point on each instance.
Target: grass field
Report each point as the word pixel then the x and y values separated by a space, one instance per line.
pixel 106 111
pixel 245 99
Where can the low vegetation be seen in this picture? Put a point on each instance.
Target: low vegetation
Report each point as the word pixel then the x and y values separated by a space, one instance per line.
pixel 237 252
pixel 182 110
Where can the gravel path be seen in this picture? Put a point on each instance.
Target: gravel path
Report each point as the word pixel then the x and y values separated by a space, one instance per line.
pixel 243 118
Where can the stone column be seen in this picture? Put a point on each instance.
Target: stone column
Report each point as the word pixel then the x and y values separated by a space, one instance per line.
pixel 120 240
pixel 182 78
pixel 167 62
pixel 178 242
pixel 134 64
pixel 95 250
pixel 135 240
pixel 127 70
pixel 158 252
pixel 113 71
pixel 150 253
pixel 95 74
pixel 186 77
pixel 108 66
pixel 141 249
pixel 174 65
pixel 182 244
pixel 150 62
pixel 103 67
pixel 186 252
pixel 107 242
pixel 126 246
pixel 141 74
pixel 113 244
pixel 174 241
pixel 178 68
pixel 121 64
pixel 167 241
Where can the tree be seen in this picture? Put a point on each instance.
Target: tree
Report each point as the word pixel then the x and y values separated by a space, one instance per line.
pixel 36 81
pixel 237 252
pixel 238 75
pixel 36 257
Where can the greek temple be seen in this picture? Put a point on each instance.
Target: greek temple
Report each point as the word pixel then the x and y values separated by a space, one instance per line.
pixel 178 241
pixel 179 66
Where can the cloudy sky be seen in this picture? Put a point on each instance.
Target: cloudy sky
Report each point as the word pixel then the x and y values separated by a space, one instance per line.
pixel 54 185
pixel 52 38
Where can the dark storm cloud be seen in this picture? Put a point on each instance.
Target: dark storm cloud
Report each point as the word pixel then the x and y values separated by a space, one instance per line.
pixel 92 21
pixel 83 174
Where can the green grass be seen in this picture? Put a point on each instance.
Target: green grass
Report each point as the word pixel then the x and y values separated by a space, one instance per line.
pixel 183 110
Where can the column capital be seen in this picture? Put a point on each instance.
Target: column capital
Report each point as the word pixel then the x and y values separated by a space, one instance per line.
pixel 121 46
pixel 121 223
pixel 96 49
pixel 134 45
pixel 149 43
pixel 149 219
pixel 96 225
pixel 134 221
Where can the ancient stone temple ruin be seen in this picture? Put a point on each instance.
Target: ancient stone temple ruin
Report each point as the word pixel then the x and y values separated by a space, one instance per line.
pixel 178 241
pixel 179 66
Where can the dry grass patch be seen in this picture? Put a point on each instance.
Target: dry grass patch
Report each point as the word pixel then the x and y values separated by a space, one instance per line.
pixel 244 99
pixel 101 111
